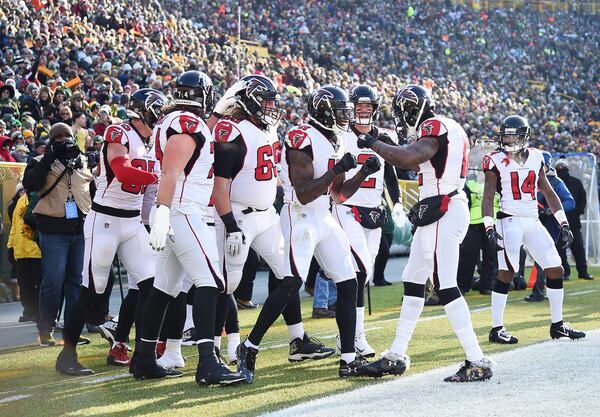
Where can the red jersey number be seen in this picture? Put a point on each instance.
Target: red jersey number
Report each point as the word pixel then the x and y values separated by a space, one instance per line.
pixel 141 164
pixel 265 167
pixel 527 187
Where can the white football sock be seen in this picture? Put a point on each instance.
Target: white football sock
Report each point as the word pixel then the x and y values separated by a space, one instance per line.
pixel 409 315
pixel 296 331
pixel 360 320
pixel 460 319
pixel 218 342
pixel 189 319
pixel 233 340
pixel 248 343
pixel 555 297
pixel 173 346
pixel 348 357
pixel 498 306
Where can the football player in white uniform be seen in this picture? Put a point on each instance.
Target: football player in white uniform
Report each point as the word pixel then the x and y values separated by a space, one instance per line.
pixel 185 244
pixel 114 225
pixel 313 165
pixel 362 215
pixel 246 148
pixel 441 152
pixel 517 172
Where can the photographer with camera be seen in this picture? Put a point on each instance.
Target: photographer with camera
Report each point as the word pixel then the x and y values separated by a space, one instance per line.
pixel 62 179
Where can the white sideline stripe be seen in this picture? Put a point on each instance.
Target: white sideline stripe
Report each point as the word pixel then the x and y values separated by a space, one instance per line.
pixel 14 398
pixel 108 378
pixel 267 345
pixel 556 377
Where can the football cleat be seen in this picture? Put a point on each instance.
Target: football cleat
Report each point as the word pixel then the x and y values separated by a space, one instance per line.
pixel 171 360
pixel 473 371
pixel 361 346
pixel 246 362
pixel 502 336
pixel 354 368
pixel 108 331
pixel 389 364
pixel 189 337
pixel 118 355
pixel 145 367
pixel 308 348
pixel 211 371
pixel 562 330
pixel 67 364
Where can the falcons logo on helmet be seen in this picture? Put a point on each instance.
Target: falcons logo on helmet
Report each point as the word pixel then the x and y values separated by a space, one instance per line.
pixel 321 96
pixel 155 103
pixel 406 94
pixel 254 85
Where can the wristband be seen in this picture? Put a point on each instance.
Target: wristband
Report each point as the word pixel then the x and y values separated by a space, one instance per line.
pixel 230 222
pixel 561 217
pixel 488 222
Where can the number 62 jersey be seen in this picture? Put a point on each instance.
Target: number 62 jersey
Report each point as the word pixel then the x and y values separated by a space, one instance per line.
pixel 110 191
pixel 517 184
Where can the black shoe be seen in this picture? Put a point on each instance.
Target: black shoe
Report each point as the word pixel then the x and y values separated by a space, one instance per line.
pixel 323 313
pixel 308 348
pixel 520 283
pixel 246 305
pixel 382 283
pixel 189 337
pixel 562 330
pixel 67 364
pixel 389 364
pixel 502 336
pixel 535 298
pixel 473 371
pixel 211 371
pixel 246 357
pixel 332 307
pixel 354 368
pixel 108 331
pixel 485 292
pixel 146 368
pixel 586 277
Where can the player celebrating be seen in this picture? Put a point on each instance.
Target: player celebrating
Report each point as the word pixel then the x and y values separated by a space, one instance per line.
pixel 517 171
pixel 313 165
pixel 246 148
pixel 441 152
pixel 114 224
pixel 362 215
pixel 186 245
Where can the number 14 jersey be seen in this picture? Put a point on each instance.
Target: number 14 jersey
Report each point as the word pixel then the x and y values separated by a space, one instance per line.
pixel 517 184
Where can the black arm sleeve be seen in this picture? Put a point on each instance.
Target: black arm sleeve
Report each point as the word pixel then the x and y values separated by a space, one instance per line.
pixel 391 181
pixel 468 193
pixel 229 157
pixel 35 175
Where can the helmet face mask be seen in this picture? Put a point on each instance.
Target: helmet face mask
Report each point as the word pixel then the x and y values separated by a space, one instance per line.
pixel 261 100
pixel 408 107
pixel 514 134
pixel 330 108
pixel 361 96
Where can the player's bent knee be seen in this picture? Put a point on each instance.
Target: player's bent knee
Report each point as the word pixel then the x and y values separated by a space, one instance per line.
pixel 447 295
pixel 556 272
pixel 291 285
pixel 506 276
pixel 412 289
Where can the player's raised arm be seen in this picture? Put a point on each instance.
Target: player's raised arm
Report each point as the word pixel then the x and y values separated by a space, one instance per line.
pixel 405 157
pixel 342 189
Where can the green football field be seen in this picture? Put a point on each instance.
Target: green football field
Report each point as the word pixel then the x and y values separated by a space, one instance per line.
pixel 29 386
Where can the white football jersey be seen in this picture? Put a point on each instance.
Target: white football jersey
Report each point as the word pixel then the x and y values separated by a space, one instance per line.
pixel 517 184
pixel 254 182
pixel 447 170
pixel 369 193
pixel 324 157
pixel 195 183
pixel 110 191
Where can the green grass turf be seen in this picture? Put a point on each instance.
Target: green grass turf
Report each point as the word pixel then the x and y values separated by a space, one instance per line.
pixel 30 370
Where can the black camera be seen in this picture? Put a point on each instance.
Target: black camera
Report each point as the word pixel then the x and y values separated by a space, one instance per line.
pixel 66 149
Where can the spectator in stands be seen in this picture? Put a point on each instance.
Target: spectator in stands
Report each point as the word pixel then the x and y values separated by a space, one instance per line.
pixel 5 147
pixel 8 104
pixel 577 190
pixel 62 180
pixel 24 252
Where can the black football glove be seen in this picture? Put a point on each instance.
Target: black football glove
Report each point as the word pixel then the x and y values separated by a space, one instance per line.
pixel 371 165
pixel 385 138
pixel 493 237
pixel 365 141
pixel 345 164
pixel 565 236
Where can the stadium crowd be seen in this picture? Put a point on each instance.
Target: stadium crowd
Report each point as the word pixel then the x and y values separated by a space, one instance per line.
pixel 78 61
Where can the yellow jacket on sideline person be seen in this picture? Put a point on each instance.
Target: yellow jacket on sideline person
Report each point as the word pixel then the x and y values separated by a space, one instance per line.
pixel 21 235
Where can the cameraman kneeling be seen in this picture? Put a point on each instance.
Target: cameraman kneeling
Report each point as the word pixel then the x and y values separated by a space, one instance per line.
pixel 62 180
